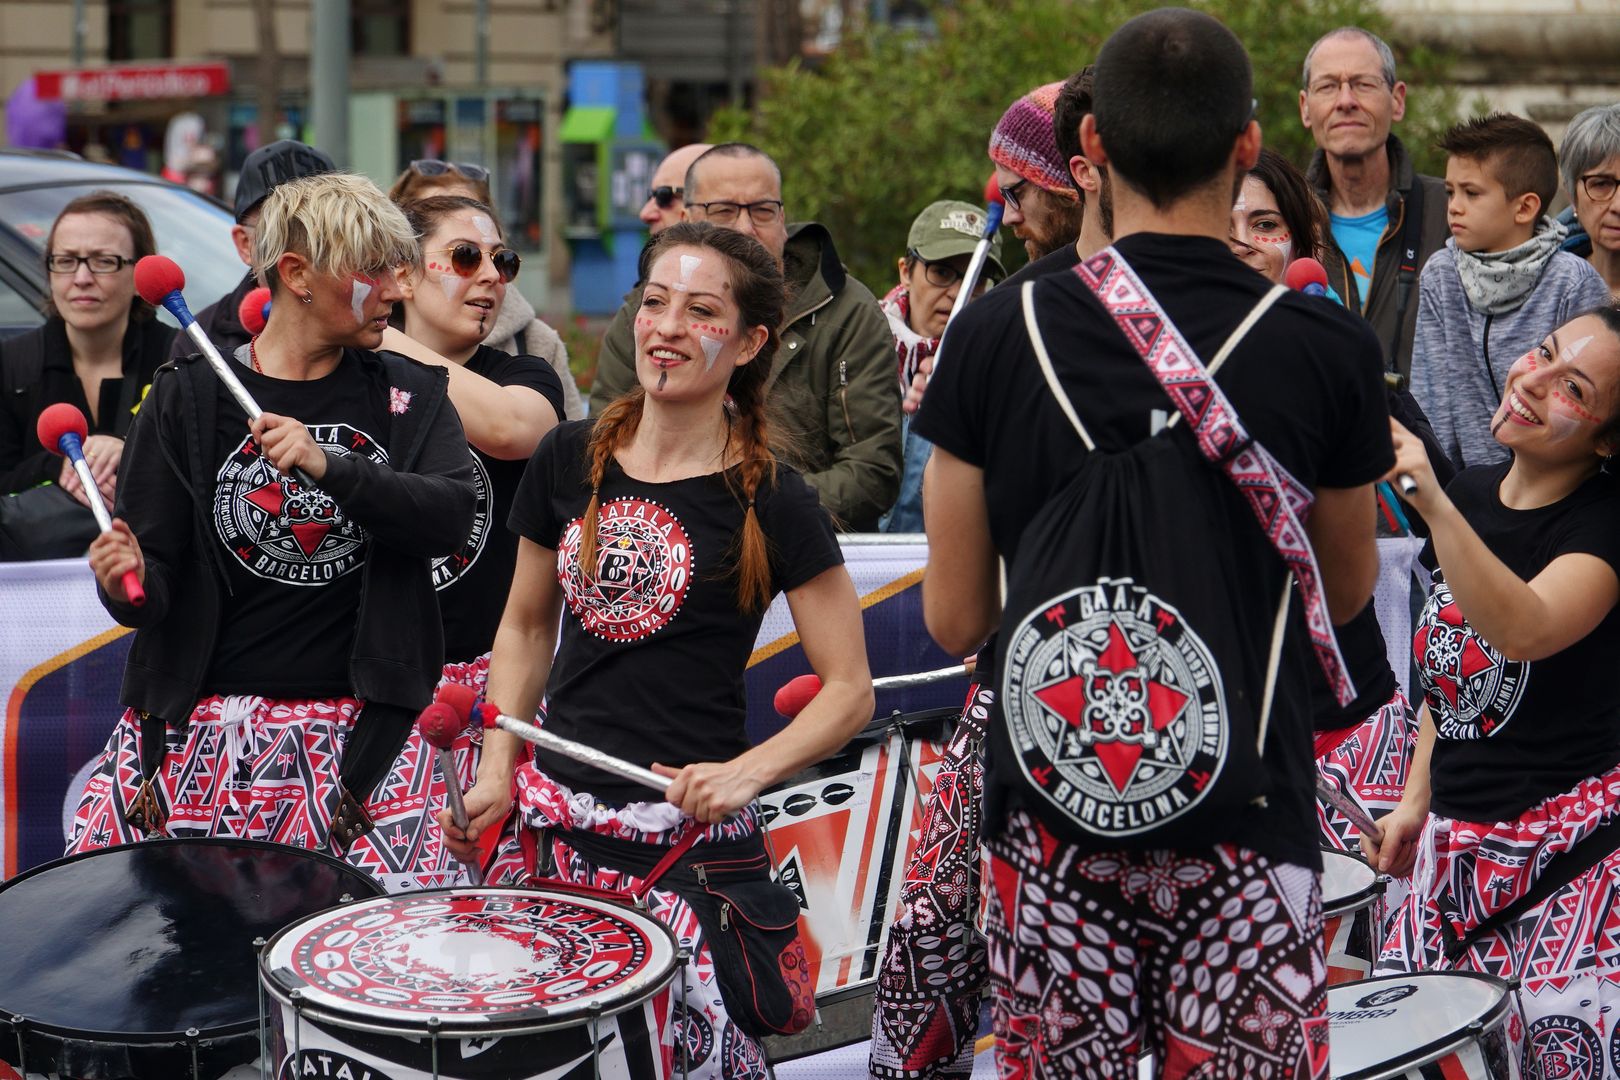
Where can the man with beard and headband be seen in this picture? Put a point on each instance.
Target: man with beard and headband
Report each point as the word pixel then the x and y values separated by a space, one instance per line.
pixel 1148 789
pixel 1090 182
pixel 1042 206
pixel 833 381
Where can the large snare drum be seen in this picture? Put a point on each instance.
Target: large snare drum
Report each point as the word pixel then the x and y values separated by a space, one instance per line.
pixel 139 960
pixel 518 984
pixel 1352 901
pixel 1418 1026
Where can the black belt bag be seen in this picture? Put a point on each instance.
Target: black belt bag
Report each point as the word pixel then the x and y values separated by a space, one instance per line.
pixel 750 922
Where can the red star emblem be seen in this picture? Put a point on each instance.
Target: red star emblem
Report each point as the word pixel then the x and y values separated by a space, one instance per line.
pixel 1470 660
pixel 1069 697
pixel 271 498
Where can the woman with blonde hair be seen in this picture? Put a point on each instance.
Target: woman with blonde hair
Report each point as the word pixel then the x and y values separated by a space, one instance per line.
pixel 290 633
pixel 659 533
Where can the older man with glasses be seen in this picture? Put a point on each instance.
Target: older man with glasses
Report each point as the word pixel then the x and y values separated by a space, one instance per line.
pixel 1386 218
pixel 833 380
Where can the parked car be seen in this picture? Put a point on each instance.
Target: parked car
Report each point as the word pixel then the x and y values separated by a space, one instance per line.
pixel 192 229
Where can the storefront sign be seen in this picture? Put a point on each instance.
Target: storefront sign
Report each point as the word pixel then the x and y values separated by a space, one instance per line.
pixel 137 82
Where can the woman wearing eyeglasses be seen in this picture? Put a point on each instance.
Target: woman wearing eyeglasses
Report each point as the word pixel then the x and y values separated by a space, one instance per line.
pixel 97 349
pixel 515 329
pixel 1589 161
pixel 507 403
pixel 938 249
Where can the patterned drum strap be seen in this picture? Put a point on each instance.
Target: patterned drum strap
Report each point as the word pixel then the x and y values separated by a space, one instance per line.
pixel 1277 499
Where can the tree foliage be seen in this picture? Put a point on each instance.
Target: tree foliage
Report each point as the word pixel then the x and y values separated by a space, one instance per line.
pixel 894 120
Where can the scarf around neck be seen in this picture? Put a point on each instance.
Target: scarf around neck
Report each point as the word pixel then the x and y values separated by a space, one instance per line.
pixel 1496 282
pixel 910 347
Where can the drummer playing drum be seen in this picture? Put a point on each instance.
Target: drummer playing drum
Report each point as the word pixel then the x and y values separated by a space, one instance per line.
pixel 667 525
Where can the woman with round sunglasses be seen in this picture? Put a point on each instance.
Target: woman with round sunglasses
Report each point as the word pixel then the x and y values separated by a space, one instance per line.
pixel 515 329
pixel 507 403
pixel 96 351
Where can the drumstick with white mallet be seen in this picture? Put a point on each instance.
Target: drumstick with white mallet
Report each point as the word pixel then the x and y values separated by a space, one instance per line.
pixel 62 430
pixel 795 694
pixel 438 725
pixel 160 280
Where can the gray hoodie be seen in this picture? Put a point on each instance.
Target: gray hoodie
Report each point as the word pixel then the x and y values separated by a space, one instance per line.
pixel 1460 356
pixel 517 315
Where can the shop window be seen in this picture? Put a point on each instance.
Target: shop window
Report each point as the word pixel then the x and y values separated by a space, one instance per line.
pixel 380 27
pixel 140 29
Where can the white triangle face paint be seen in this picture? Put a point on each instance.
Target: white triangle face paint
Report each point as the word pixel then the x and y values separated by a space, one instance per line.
pixel 689 265
pixel 359 291
pixel 711 350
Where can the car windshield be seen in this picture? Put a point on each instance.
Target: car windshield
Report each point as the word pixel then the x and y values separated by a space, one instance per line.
pixel 190 230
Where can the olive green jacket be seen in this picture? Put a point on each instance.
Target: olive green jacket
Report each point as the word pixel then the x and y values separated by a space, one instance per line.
pixel 834 381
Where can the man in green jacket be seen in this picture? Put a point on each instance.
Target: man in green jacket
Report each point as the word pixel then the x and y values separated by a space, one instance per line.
pixel 833 381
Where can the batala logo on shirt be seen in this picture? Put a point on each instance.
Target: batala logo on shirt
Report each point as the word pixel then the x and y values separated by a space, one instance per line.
pixel 1115 708
pixel 280 530
pixel 643 569
pixel 448 569
pixel 1473 689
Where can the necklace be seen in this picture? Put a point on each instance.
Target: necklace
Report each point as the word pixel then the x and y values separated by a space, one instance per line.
pixel 253 354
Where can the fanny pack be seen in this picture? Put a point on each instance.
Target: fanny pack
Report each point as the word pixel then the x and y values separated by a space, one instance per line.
pixel 750 922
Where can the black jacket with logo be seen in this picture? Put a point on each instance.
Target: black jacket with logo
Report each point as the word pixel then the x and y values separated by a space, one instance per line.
pixel 417 507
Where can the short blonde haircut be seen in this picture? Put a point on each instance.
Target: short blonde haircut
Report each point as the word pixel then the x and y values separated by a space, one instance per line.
pixel 342 223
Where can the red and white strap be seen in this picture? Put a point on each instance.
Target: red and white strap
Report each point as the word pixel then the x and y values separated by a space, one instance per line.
pixel 1279 502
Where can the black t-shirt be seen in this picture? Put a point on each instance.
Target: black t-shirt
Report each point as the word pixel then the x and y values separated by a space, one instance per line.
pixel 651 658
pixel 1513 732
pixel 292 558
pixel 474 581
pixel 1066 257
pixel 1307 383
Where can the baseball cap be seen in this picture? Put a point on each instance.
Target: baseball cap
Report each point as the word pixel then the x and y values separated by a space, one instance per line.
pixel 275 164
pixel 948 228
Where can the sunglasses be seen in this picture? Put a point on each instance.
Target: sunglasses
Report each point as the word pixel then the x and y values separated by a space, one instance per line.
pixel 434 167
pixel 665 195
pixel 467 258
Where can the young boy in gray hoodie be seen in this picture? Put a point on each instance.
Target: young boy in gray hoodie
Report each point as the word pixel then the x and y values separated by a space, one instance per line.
pixel 1500 284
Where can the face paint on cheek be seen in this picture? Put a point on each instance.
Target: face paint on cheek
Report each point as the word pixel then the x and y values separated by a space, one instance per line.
pixel 711 350
pixel 1523 366
pixel 689 265
pixel 1565 416
pixel 449 283
pixel 360 288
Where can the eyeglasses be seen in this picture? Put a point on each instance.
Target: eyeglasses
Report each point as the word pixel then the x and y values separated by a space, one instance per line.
pixel 1599 187
pixel 764 212
pixel 466 259
pixel 941 275
pixel 1009 195
pixel 98 263
pixel 434 167
pixel 1362 86
pixel 665 196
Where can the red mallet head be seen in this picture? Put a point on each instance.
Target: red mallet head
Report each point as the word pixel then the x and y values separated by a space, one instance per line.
pixel 59 420
pixel 439 725
pixel 794 695
pixel 459 698
pixel 1305 271
pixel 156 276
pixel 254 311
pixel 992 190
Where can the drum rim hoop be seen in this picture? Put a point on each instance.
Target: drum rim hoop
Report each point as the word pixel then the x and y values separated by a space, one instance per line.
pixel 1445 1044
pixel 162 842
pixel 1359 899
pixel 455 1027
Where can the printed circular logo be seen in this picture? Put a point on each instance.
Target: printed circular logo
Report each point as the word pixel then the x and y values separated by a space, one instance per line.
pixel 279 530
pixel 1389 995
pixel 472 956
pixel 643 569
pixel 1566 1047
pixel 1115 708
pixel 1472 688
pixel 448 569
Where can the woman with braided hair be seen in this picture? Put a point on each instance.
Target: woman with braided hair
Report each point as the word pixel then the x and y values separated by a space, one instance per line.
pixel 659 533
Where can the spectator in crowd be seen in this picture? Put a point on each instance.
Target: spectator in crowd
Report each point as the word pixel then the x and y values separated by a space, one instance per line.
pixel 1386 218
pixel 833 381
pixel 266 167
pixel 1091 183
pixel 1276 218
pixel 938 250
pixel 1590 162
pixel 516 329
pixel 1042 202
pixel 96 351
pixel 1500 284
pixel 667 199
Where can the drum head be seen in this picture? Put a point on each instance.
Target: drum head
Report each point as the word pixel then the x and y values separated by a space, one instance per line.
pixel 1384 1024
pixel 516 958
pixel 139 943
pixel 1346 881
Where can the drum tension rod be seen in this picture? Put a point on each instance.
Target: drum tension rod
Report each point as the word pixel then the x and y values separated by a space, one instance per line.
pixel 433 1023
pixel 20 1025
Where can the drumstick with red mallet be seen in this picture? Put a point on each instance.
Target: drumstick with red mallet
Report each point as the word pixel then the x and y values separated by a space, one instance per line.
pixel 160 280
pixel 62 430
pixel 439 724
pixel 254 310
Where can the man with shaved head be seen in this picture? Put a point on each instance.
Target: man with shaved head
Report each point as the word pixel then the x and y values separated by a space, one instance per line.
pixel 667 199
